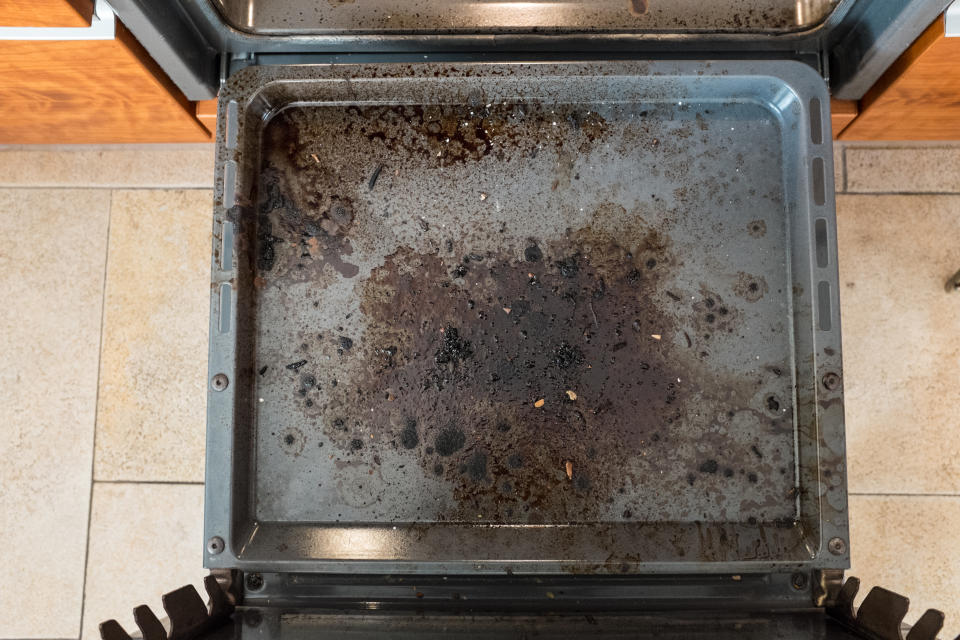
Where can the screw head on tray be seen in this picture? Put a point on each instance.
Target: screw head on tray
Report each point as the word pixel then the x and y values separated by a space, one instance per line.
pixel 215 545
pixel 254 581
pixel 837 546
pixel 219 382
pixel 831 381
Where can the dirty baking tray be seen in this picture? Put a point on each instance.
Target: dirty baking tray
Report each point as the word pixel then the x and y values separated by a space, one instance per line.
pixel 525 318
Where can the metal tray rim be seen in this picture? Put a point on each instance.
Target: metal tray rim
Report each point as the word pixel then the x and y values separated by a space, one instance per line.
pixel 238 542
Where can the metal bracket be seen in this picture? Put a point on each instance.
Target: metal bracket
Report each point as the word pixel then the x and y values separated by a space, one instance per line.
pixel 826 586
pixel 873 36
pixel 170 39
pixel 881 614
pixel 102 27
pixel 187 615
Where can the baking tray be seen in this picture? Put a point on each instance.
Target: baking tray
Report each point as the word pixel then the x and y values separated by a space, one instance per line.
pixel 525 318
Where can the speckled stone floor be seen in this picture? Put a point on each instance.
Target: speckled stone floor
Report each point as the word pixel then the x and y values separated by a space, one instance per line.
pixel 104 271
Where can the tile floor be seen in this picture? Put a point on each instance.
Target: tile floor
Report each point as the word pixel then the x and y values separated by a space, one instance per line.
pixel 104 348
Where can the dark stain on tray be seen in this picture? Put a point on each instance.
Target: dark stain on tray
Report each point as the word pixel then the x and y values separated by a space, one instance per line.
pixel 757 228
pixel 750 288
pixel 532 401
pixel 529 377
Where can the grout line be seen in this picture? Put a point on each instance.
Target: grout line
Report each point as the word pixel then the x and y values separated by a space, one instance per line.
pixel 65 147
pixel 902 193
pixel 904 495
pixel 88 187
pixel 843 162
pixel 96 410
pixel 904 145
pixel 184 482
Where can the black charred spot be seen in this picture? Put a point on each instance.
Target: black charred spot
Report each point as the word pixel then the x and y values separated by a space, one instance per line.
pixel 450 440
pixel 710 466
pixel 568 267
pixel 477 466
pixel 773 405
pixel 565 355
pixel 409 437
pixel 453 348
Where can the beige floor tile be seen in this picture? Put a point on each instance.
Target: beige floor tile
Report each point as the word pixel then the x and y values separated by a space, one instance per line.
pixel 158 166
pixel 51 277
pixel 908 544
pixel 145 540
pixel 152 399
pixel 903 169
pixel 901 342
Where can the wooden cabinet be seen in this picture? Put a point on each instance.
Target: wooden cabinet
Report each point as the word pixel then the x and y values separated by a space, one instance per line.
pixel 87 91
pixel 113 91
pixel 842 113
pixel 49 13
pixel 918 98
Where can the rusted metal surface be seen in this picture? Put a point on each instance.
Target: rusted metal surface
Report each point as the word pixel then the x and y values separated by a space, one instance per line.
pixel 570 305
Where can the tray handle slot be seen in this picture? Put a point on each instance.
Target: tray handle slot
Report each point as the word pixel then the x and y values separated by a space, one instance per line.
pixel 230 133
pixel 820 240
pixel 824 310
pixel 819 182
pixel 816 121
pixel 226 245
pixel 229 183
pixel 225 295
